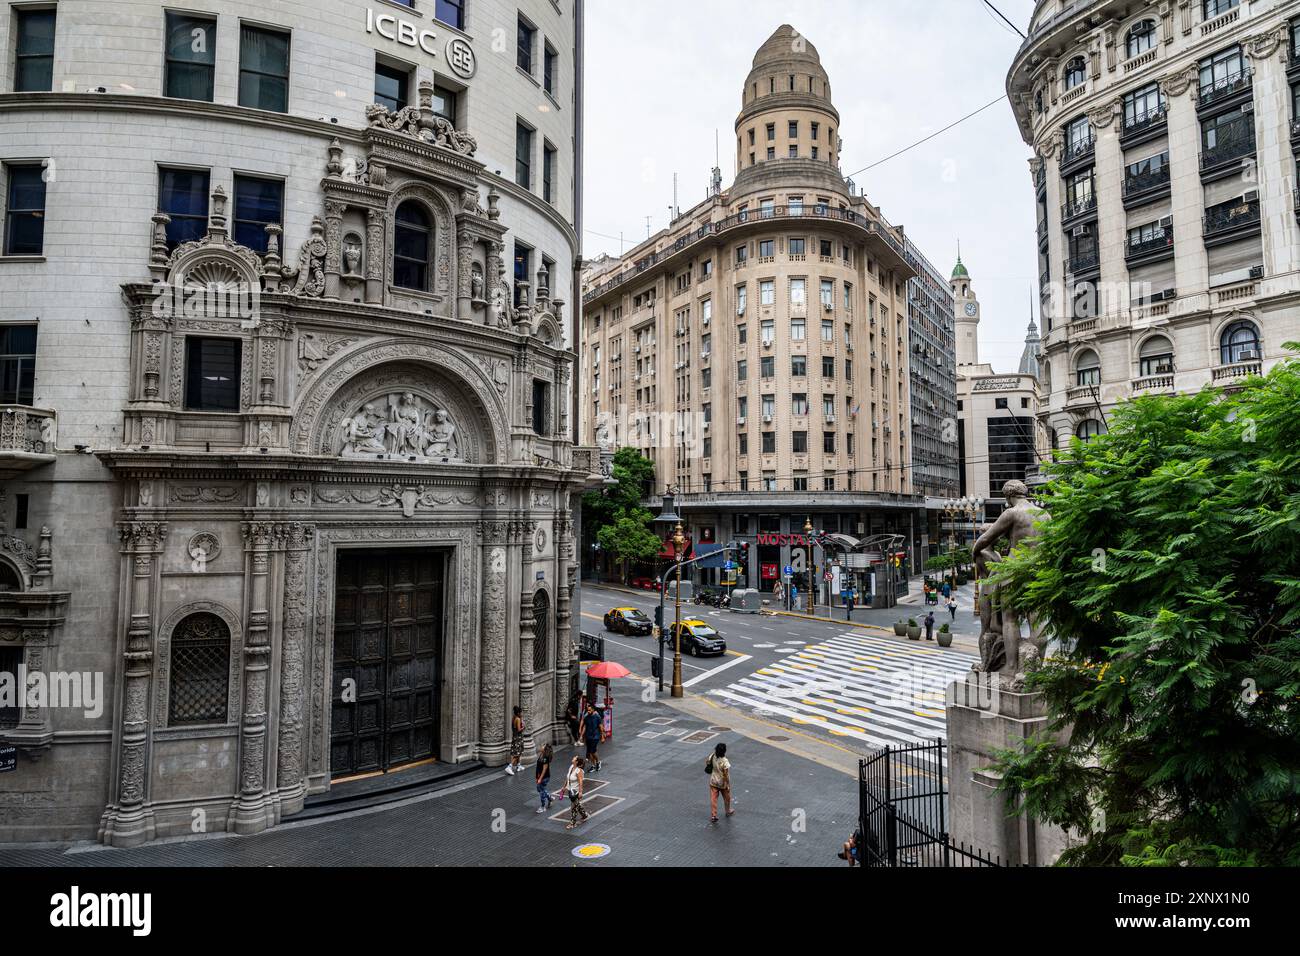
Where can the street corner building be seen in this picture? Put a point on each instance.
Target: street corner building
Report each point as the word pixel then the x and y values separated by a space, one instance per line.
pixel 1165 141
pixel 806 344
pixel 287 435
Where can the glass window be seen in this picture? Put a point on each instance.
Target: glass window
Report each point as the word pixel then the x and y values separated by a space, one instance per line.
pixel 258 203
pixel 24 229
pixel 767 291
pixel 444 103
pixel 1144 105
pixel 828 330
pixel 183 195
pixel 549 60
pixel 767 366
pixel 200 671
pixel 1075 72
pixel 412 240
pixel 769 406
pixel 1141 37
pixel 1222 70
pixel 391 87
pixel 771 132
pixel 1156 357
pixel 1088 428
pixel 828 366
pixel 742 370
pixel 541 399
pixel 1239 343
pixel 524 59
pixel 1078 136
pixel 191 57
pixel 797 247
pixel 34 52
pixel 799 443
pixel 798 291
pixel 1215 7
pixel 548 173
pixel 212 374
pixel 17 363
pixel 799 404
pixel 742 334
pixel 767 248
pixel 523 156
pixel 741 292
pixel 769 445
pixel 524 271
pixel 828 443
pixel 450 12
pixel 799 366
pixel 743 447
pixel 1088 368
pixel 264 69
pixel 742 254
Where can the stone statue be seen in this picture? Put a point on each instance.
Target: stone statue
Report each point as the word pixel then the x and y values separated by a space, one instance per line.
pixel 1001 648
pixel 360 436
pixel 442 436
pixel 476 282
pixel 407 426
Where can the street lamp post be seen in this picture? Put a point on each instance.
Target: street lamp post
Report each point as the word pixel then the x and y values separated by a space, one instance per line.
pixel 812 566
pixel 679 551
pixel 976 506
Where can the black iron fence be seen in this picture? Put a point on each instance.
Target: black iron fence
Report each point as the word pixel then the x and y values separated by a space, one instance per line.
pixel 902 811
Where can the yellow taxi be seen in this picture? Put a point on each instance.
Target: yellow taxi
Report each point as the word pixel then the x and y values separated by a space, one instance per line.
pixel 701 639
pixel 628 620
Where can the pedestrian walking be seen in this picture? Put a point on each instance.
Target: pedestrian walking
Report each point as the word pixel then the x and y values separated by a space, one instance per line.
pixel 593 734
pixel 718 768
pixel 929 626
pixel 952 608
pixel 925 591
pixel 516 741
pixel 778 594
pixel 947 589
pixel 851 599
pixel 573 783
pixel 794 597
pixel 542 772
pixel 573 718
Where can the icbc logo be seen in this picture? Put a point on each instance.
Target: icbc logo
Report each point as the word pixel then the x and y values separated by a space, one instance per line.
pixel 460 57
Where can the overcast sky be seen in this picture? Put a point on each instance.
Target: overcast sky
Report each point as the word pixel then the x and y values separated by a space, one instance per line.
pixel 663 76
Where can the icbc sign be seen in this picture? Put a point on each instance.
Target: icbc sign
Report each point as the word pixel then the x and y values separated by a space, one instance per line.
pixel 405 32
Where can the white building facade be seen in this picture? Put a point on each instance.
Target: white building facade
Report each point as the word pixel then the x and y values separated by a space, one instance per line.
pixel 288 443
pixel 1165 174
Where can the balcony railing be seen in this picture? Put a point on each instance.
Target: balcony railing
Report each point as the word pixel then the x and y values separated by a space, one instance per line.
pixel 1077 151
pixel 1083 262
pixel 1141 247
pixel 1080 395
pixel 1141 182
pixel 1154 383
pixel 1147 119
pixel 27 437
pixel 1237 370
pixel 1224 88
pixel 1229 148
pixel 1230 215
pixel 1078 207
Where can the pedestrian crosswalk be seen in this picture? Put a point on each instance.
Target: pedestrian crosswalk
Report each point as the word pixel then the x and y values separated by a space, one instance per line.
pixel 858 686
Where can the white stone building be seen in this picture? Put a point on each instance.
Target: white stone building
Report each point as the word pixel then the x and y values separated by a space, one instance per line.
pixel 310 515
pixel 1165 137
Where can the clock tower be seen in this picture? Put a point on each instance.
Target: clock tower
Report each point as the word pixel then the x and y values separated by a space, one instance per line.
pixel 968 316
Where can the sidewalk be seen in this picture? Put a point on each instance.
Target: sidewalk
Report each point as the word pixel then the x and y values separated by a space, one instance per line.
pixel 649 806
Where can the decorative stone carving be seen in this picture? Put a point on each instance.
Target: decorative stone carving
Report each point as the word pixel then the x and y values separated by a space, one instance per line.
pixel 1176 84
pixel 204 547
pixel 352 256
pixel 310 271
pixel 314 349
pixel 196 494
pixel 421 123
pixel 401 429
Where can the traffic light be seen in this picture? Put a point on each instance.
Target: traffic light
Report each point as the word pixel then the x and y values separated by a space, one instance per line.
pixel 742 554
pixel 659 617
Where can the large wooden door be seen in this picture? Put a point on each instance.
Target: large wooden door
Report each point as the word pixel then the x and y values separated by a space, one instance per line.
pixel 387 638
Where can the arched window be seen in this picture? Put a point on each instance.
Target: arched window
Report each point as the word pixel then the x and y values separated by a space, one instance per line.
pixel 1039 106
pixel 1239 343
pixel 1088 428
pixel 1045 369
pixel 1076 71
pixel 1141 37
pixel 412 241
pixel 200 652
pixel 1156 357
pixel 541 632
pixel 1087 368
pixel 10 580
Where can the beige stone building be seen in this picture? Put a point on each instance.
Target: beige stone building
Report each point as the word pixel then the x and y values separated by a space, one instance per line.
pixel 757 349
pixel 1165 138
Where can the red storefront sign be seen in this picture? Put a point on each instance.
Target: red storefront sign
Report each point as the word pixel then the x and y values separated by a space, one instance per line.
pixel 768 572
pixel 781 540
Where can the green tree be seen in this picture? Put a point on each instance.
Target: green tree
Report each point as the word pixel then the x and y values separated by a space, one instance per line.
pixel 1170 573
pixel 621 524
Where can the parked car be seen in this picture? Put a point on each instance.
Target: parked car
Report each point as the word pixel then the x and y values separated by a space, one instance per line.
pixel 646 584
pixel 701 639
pixel 628 620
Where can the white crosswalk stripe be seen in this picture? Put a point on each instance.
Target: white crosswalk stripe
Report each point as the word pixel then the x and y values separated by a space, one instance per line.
pixel 857 686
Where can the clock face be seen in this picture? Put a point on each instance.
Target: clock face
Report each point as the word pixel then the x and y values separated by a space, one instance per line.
pixel 971 309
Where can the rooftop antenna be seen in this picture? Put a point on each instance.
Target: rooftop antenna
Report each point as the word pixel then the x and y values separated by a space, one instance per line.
pixel 715 180
pixel 647 227
pixel 676 211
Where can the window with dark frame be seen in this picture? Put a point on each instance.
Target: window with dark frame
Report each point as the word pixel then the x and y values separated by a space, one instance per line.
pixel 264 69
pixel 548 172
pixel 212 374
pixel 412 242
pixel 24 225
pixel 191 57
pixel 526 36
pixel 17 363
pixel 444 103
pixel 183 195
pixel 541 394
pixel 450 12
pixel 34 51
pixel 523 155
pixel 258 204
pixel 549 61
pixel 392 86
pixel 200 671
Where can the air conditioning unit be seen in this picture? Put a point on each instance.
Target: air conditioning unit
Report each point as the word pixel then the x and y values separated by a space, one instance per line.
pixel 740 310
pixel 1248 107
pixel 636 349
pixel 828 307
pixel 706 425
pixel 1251 195
pixel 1257 272
pixel 767 419
pixel 1079 231
pixel 875 425
pixel 611 386
pixel 1164 370
pixel 830 419
pixel 1162 296
pixel 848 346
pixel 1250 355
pixel 740 420
pixel 705 355
pixel 1167 222
pixel 767 343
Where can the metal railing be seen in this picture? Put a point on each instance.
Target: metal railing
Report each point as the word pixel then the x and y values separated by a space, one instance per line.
pixel 1080 149
pixel 1151 179
pixel 1083 262
pixel 1230 148
pixel 1162 240
pixel 1222 89
pixel 1147 119
pixel 1230 215
pixel 1078 207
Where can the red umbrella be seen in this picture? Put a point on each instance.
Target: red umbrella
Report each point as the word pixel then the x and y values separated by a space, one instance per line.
pixel 607 669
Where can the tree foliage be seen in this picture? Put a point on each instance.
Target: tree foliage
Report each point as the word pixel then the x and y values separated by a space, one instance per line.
pixel 1170 573
pixel 622 525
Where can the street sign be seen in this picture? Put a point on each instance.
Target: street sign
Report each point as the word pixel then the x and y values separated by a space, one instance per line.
pixel 8 759
pixel 788 570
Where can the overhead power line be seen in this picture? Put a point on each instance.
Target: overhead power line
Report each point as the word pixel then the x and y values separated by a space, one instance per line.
pixel 1005 20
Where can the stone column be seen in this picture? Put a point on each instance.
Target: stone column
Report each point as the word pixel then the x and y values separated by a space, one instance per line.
pixel 129 822
pixel 333 247
pixel 1112 234
pixel 526 638
pixel 1057 250
pixel 464 269
pixel 492 651
pixel 565 580
pixel 1276 164
pixel 251 812
pixel 496 293
pixel 290 757
pixel 1191 262
pixel 374 257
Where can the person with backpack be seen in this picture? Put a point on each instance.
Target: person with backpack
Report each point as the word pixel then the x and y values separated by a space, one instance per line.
pixel 573 782
pixel 543 775
pixel 952 608
pixel 718 767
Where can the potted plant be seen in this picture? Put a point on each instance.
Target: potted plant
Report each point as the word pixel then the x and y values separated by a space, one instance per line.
pixel 945 635
pixel 913 629
pixel 900 628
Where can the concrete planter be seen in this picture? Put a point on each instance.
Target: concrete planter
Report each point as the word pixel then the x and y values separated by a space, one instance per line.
pixel 900 628
pixel 914 633
pixel 945 637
